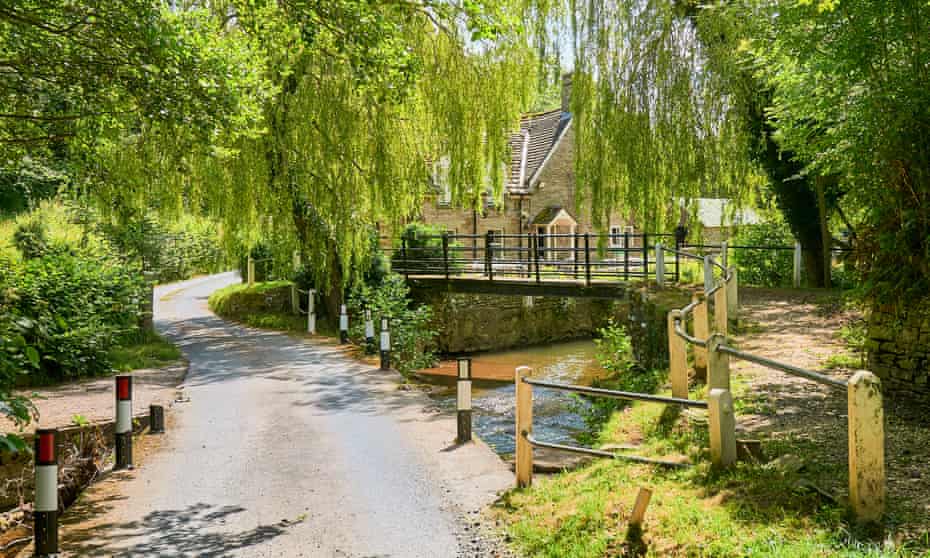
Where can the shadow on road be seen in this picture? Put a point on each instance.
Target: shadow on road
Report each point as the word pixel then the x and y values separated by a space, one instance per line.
pixel 193 531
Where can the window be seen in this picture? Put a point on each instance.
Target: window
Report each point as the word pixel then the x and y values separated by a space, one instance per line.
pixel 441 181
pixel 497 237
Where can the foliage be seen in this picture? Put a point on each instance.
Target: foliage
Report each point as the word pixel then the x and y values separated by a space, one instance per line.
pixel 422 248
pixel 653 120
pixel 850 98
pixel 767 268
pixel 615 355
pixel 31 239
pixel 72 309
pixel 411 336
pixel 25 183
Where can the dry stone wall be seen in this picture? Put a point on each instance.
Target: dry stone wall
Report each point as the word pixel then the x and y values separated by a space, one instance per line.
pixel 899 349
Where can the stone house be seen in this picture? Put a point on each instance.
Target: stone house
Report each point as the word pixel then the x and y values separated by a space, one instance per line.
pixel 539 189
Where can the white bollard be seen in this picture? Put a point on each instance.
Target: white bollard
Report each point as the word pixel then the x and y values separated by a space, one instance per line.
pixel 311 312
pixel 343 325
pixel 797 265
pixel 385 345
pixel 369 333
pixel 660 265
pixel 463 401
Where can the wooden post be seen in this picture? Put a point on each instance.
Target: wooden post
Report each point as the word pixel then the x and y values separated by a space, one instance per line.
pixel 866 447
pixel 702 332
pixel 718 364
pixel 250 271
pixel 797 265
pixel 677 358
pixel 720 310
pixel 639 508
pixel 295 303
pixel 524 414
pixel 722 424
pixel 733 295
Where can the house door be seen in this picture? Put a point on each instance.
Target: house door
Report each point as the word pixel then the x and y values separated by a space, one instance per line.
pixel 541 242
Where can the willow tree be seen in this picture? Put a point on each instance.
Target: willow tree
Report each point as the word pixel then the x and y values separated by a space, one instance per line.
pixel 655 122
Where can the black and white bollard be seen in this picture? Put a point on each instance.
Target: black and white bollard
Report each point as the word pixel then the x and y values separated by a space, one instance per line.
pixel 311 312
pixel 369 333
pixel 156 419
pixel 463 400
pixel 123 422
pixel 385 345
pixel 45 511
pixel 343 325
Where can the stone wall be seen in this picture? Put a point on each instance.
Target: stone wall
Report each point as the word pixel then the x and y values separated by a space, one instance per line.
pixel 478 322
pixel 899 349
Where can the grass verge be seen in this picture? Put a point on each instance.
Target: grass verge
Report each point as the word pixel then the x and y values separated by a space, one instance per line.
pixel 777 509
pixel 151 351
pixel 246 305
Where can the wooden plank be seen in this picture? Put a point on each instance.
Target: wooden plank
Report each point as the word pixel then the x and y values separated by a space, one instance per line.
pixel 639 507
pixel 866 447
pixel 677 358
pixel 524 427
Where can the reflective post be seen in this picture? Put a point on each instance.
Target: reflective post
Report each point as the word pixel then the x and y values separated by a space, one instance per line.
pixel 311 312
pixel 463 400
pixel 45 509
pixel 343 325
pixel 369 333
pixel 123 422
pixel 385 345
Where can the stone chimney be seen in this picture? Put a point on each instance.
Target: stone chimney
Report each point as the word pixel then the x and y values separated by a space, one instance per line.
pixel 567 92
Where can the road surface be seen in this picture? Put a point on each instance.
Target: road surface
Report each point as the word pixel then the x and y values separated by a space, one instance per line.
pixel 288 448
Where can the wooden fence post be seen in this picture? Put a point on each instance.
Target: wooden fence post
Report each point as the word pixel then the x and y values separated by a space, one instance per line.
pixel 702 332
pixel 866 447
pixel 677 358
pixel 797 265
pixel 720 310
pixel 722 425
pixel 250 271
pixel 660 265
pixel 524 414
pixel 733 295
pixel 708 273
pixel 718 364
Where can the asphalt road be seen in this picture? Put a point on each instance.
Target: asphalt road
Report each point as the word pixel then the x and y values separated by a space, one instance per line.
pixel 289 448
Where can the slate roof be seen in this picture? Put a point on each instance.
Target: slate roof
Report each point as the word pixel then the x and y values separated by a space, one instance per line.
pixel 544 129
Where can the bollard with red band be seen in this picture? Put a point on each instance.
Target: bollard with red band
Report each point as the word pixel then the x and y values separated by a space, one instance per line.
pixel 123 422
pixel 385 345
pixel 343 325
pixel 45 511
pixel 463 400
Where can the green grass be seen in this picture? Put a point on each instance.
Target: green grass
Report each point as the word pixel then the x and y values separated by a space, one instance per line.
pixel 749 510
pixel 229 303
pixel 151 352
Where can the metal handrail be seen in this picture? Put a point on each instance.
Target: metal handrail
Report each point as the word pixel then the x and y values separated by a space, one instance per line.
pixel 680 331
pixel 600 453
pixel 787 368
pixel 615 394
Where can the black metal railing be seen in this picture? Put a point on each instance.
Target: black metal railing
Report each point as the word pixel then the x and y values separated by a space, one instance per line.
pixel 588 258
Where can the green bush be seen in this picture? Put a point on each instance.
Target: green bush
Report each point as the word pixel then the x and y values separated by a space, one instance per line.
pixel 411 337
pixel 31 239
pixel 423 247
pixel 765 268
pixel 615 355
pixel 68 311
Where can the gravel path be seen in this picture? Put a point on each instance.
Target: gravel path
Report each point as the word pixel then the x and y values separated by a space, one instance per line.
pixel 289 448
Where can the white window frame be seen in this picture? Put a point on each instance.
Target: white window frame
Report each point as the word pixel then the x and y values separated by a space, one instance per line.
pixel 616 236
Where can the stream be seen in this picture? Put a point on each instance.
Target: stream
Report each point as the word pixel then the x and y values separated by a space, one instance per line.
pixel 571 362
